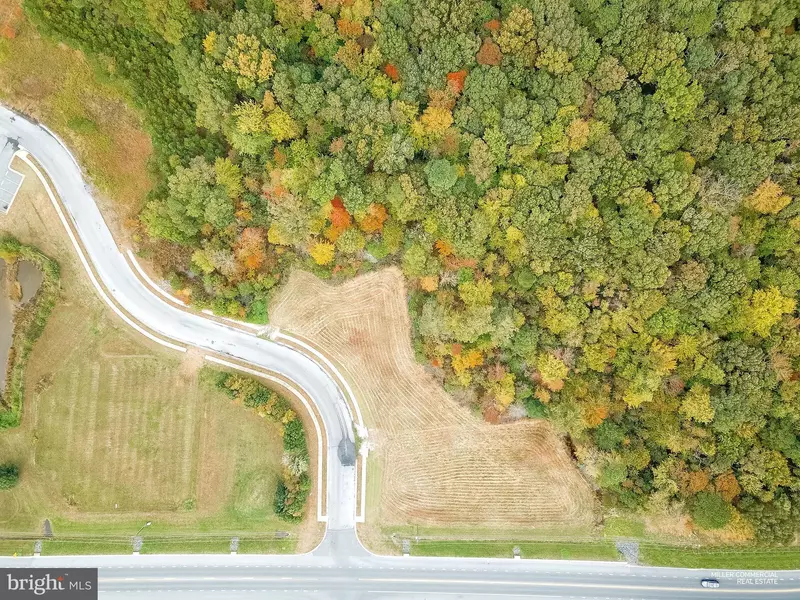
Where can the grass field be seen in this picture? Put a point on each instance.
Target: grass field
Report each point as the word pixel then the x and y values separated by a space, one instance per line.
pixel 117 431
pixel 83 104
pixel 504 549
pixel 724 558
pixel 432 462
pixel 649 553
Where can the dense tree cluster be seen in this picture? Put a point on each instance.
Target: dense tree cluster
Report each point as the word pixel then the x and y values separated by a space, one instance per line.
pixel 594 202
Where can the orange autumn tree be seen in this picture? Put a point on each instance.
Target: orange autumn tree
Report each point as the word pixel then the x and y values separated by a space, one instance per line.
pixel 444 247
pixel 251 248
pixel 489 53
pixel 348 28
pixel 374 219
pixel 429 283
pixel 339 217
pixel 594 413
pixel 392 72
pixel 455 81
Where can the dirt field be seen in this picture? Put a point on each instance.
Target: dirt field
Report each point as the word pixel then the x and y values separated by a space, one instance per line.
pixel 433 463
pixel 116 430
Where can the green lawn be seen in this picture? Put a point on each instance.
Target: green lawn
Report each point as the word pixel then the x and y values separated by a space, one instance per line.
pixel 117 436
pixel 503 549
pixel 767 558
pixel 89 546
pixel 616 527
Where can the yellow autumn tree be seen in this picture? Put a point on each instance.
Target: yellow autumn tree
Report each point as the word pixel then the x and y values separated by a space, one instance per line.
pixel 765 309
pixel 696 404
pixel 436 119
pixel 282 126
pixel 210 42
pixel 503 390
pixel 578 134
pixel 467 360
pixel 768 198
pixel 322 252
pixel 551 370
pixel 276 235
pixel 245 58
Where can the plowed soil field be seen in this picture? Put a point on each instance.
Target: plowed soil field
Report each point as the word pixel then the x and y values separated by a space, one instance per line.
pixel 432 462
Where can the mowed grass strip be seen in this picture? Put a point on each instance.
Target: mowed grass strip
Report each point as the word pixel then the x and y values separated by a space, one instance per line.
pixel 172 545
pixel 720 558
pixel 504 549
pixel 62 547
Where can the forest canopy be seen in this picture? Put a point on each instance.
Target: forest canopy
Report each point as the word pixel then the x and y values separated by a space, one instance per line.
pixel 594 203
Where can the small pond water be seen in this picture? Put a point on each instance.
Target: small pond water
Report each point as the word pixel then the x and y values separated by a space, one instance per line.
pixel 30 278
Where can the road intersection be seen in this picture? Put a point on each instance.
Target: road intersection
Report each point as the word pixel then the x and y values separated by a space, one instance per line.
pixel 340 568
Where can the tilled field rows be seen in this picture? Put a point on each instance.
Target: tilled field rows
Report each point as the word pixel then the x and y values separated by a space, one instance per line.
pixel 439 464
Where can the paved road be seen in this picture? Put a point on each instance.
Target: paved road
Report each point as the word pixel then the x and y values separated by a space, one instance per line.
pixel 250 577
pixel 184 327
pixel 340 568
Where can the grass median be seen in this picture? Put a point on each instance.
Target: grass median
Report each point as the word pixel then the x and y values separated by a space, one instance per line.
pixel 721 558
pixel 504 549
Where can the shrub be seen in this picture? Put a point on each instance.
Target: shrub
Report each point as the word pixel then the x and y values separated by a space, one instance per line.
pixel 9 476
pixel 294 437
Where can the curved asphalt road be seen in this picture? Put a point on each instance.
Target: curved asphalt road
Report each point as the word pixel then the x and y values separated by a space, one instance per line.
pixel 185 327
pixel 341 568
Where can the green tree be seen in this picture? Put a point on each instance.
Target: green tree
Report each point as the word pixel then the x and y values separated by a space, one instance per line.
pixel 9 476
pixel 441 176
pixel 710 511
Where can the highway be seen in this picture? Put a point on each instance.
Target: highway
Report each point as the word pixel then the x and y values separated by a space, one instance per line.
pixel 340 568
pixel 246 577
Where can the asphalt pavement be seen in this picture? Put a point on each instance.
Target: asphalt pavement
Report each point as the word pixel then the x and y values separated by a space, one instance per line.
pixel 183 327
pixel 248 577
pixel 340 568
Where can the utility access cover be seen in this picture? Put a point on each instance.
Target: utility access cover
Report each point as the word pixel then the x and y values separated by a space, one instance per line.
pixel 347 452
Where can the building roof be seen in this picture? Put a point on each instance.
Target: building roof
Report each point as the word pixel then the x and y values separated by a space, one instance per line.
pixel 11 180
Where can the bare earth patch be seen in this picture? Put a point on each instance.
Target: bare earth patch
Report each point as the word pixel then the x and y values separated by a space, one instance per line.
pixel 437 464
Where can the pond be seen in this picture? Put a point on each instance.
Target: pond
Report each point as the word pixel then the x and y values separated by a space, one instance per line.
pixel 29 278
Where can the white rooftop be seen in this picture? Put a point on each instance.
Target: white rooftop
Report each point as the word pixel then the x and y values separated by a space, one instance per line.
pixel 11 180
